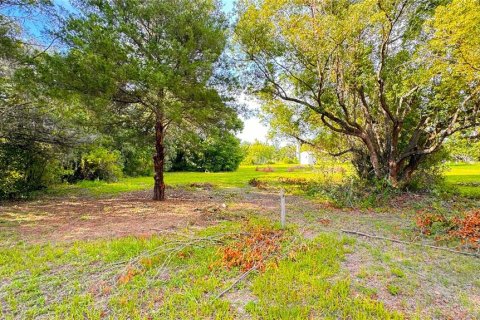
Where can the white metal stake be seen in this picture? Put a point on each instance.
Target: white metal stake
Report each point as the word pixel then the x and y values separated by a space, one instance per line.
pixel 282 208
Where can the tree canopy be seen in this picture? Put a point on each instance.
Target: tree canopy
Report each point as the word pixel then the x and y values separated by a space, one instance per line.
pixel 394 78
pixel 34 128
pixel 387 83
pixel 147 63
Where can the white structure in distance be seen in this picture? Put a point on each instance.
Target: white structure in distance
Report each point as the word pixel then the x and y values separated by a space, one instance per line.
pixel 307 158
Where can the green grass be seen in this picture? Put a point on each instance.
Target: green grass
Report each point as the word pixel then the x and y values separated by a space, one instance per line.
pixel 409 274
pixel 308 286
pixel 239 178
pixel 83 280
pixel 465 178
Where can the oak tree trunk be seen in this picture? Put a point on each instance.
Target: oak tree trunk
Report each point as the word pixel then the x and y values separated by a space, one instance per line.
pixel 393 174
pixel 159 161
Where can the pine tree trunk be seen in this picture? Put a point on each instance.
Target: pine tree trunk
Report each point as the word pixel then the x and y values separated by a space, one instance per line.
pixel 159 161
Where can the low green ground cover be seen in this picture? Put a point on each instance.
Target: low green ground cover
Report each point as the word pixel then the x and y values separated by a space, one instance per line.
pixel 318 272
pixel 239 178
pixel 462 178
pixel 177 277
pixel 465 178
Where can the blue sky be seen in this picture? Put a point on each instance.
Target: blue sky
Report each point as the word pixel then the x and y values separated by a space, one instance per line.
pixel 228 4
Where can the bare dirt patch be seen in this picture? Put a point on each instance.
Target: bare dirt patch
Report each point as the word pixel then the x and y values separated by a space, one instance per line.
pixel 84 218
pixel 130 214
pixel 239 299
pixel 135 214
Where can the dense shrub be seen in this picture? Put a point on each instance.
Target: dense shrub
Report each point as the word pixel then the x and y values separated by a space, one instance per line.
pixel 429 176
pixel 222 154
pixel 137 161
pixel 352 193
pixel 27 168
pixel 216 153
pixel 101 164
pixel 258 153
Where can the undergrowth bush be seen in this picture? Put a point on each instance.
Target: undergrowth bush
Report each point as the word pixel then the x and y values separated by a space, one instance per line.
pixel 27 168
pixel 429 176
pixel 257 183
pixel 101 164
pixel 352 192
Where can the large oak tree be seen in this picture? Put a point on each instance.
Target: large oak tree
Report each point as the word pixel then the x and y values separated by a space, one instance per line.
pixel 392 78
pixel 148 62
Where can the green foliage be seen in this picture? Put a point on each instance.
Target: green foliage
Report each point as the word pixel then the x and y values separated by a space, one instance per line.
pixel 223 153
pixel 287 155
pixel 455 27
pixel 464 148
pixel 35 130
pixel 101 164
pixel 430 174
pixel 218 152
pixel 137 161
pixel 12 28
pixel 12 173
pixel 149 67
pixel 27 168
pixel 388 81
pixel 258 153
pixel 353 192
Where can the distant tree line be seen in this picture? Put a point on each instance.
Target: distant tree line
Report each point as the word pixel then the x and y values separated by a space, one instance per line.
pixel 258 153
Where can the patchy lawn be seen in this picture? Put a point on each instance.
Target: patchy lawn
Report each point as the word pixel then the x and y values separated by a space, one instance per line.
pixel 114 255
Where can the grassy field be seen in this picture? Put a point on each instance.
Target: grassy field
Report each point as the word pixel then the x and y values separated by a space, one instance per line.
pixel 218 252
pixel 464 178
pixel 129 279
pixel 239 178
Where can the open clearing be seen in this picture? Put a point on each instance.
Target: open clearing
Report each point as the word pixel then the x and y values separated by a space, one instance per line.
pixel 99 250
